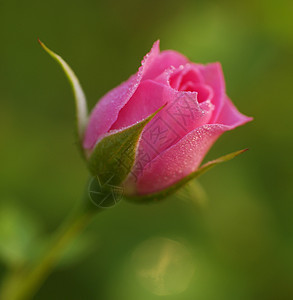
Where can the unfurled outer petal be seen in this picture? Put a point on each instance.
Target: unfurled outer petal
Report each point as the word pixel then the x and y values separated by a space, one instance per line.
pixel 107 109
pixel 177 161
pixel 154 197
pixel 230 116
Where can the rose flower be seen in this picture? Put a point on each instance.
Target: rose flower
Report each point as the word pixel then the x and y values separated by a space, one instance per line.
pixel 173 144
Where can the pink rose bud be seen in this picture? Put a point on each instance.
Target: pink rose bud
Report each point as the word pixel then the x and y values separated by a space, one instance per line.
pixel 195 111
pixel 150 134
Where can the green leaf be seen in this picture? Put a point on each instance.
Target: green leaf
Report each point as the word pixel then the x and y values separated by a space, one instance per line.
pixel 80 99
pixel 113 157
pixel 173 188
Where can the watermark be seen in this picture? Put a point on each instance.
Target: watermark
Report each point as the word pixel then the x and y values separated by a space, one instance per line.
pixel 102 193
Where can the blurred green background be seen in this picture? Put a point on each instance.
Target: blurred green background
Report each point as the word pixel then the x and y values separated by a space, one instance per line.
pixel 238 244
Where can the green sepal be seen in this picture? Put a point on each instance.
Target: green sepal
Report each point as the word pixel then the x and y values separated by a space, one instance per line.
pixel 148 198
pixel 113 156
pixel 80 99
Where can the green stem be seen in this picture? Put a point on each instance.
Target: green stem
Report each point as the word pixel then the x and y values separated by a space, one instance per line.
pixel 23 285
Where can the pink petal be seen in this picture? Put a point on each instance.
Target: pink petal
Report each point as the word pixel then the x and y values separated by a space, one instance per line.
pixel 176 120
pixel 165 60
pixel 204 92
pixel 177 161
pixel 107 109
pixel 148 98
pixel 214 77
pixel 230 116
pixel 179 77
